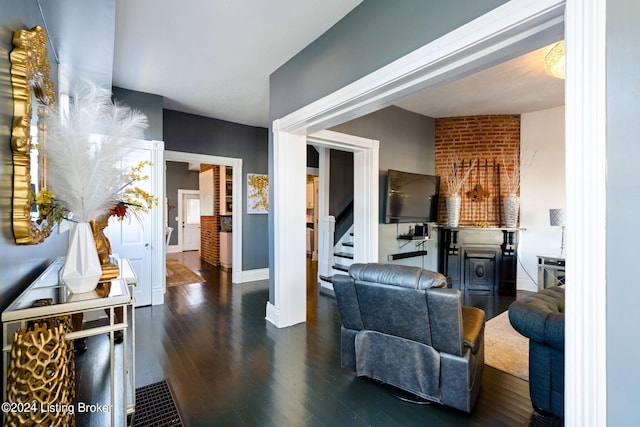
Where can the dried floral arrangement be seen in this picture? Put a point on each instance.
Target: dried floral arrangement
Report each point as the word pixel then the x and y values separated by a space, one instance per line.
pixel 84 148
pixel 457 175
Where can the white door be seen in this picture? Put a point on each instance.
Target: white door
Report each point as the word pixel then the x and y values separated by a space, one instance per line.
pixel 190 221
pixel 133 237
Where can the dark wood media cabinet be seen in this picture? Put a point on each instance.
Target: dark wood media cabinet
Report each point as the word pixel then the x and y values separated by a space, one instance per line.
pixel 479 261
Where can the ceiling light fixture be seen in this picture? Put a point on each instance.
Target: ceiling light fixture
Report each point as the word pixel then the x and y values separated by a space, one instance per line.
pixel 554 60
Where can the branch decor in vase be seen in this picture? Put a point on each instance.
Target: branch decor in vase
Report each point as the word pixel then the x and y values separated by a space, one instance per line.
pixel 454 179
pixel 84 148
pixel 512 177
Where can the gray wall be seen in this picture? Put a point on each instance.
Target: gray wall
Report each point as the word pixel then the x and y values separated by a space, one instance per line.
pixel 374 34
pixel 19 265
pixel 83 33
pixel 178 177
pixel 623 205
pixel 407 142
pixel 196 134
pixel 147 103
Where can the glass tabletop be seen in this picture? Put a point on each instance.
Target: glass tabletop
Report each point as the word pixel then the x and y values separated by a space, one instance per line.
pixel 47 296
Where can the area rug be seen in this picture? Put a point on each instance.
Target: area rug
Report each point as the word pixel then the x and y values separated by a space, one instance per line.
pixel 155 407
pixel 504 348
pixel 179 274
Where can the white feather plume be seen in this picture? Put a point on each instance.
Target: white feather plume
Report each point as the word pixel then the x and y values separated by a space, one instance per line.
pixel 84 150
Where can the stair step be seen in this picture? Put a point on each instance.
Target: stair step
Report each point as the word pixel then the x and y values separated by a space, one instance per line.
pixel 326 279
pixel 349 244
pixel 343 255
pixel 341 267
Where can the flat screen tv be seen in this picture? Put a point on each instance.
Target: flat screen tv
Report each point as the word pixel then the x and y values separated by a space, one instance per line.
pixel 411 197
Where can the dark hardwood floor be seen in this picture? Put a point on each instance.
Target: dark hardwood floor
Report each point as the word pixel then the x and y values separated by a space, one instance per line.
pixel 228 366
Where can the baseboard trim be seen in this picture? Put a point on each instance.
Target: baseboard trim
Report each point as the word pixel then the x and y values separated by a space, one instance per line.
pixel 157 296
pixel 251 275
pixel 273 315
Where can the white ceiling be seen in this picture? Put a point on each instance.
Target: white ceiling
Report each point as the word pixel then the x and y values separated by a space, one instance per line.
pixel 213 58
pixel 513 87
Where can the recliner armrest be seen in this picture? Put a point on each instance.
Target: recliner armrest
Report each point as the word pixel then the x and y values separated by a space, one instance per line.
pixel 473 321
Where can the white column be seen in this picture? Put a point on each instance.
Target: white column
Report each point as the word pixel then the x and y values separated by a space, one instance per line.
pixel 289 214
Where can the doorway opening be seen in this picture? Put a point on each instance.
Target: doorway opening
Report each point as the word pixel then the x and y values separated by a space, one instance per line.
pixel 202 216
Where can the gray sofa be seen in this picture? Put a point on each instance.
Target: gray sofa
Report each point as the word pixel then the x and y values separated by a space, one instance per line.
pixel 540 317
pixel 402 327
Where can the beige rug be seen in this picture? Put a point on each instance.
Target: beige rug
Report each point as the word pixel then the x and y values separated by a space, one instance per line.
pixel 179 274
pixel 504 348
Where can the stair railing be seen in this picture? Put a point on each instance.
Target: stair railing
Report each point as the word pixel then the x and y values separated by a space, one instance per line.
pixel 327 229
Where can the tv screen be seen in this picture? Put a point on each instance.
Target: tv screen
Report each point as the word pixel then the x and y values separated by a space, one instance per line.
pixel 411 197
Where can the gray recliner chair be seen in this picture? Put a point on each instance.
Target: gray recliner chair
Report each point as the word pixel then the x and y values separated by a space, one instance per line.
pixel 402 327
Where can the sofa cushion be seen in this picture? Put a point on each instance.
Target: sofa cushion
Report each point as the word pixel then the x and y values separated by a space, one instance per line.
pixel 540 317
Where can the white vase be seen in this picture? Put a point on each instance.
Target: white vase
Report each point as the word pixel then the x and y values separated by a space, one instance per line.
pixel 511 204
pixel 454 202
pixel 82 270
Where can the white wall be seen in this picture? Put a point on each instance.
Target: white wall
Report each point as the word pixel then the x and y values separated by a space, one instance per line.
pixel 542 188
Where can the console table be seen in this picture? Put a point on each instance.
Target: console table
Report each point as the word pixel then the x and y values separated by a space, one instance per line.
pixel 63 303
pixel 550 271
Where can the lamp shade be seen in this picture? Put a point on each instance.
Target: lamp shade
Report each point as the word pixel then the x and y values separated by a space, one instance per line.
pixel 557 217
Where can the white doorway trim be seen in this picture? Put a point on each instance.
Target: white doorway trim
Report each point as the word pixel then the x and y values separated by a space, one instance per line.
pixel 180 230
pixel 237 274
pixel 516 27
pixel 289 306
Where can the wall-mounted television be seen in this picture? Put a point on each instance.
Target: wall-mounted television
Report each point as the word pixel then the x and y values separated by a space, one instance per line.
pixel 411 197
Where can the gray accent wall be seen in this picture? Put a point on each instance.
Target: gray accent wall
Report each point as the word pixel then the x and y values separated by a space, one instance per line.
pixel 190 133
pixel 374 34
pixel 407 142
pixel 19 265
pixel 623 205
pixel 147 103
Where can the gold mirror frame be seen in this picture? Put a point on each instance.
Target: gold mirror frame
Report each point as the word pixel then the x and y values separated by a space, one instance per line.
pixel 30 71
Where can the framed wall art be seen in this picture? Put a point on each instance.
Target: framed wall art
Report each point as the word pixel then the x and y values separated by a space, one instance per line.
pixel 257 193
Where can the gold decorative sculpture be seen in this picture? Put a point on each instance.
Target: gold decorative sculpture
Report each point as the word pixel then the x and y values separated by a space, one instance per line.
pixel 41 375
pixel 103 246
pixel 32 86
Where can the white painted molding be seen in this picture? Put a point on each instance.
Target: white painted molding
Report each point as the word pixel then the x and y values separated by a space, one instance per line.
pixel 514 28
pixel 172 249
pixel 236 215
pixel 289 214
pixel 505 32
pixel 157 296
pixel 365 188
pixel 586 140
pixel 253 275
pixel 158 271
pixel 273 315
pixel 289 154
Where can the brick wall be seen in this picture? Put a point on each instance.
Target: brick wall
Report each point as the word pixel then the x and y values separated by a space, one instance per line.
pixel 483 138
pixel 210 225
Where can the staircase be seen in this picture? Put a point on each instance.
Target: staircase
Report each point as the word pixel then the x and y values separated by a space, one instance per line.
pixel 342 260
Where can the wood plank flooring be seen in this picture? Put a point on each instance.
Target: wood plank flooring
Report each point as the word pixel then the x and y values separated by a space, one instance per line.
pixel 228 366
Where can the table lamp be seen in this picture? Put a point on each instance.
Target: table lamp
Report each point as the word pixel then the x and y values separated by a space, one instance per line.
pixel 557 218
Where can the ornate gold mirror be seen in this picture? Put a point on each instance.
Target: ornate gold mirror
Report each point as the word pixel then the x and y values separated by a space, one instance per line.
pixel 33 91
